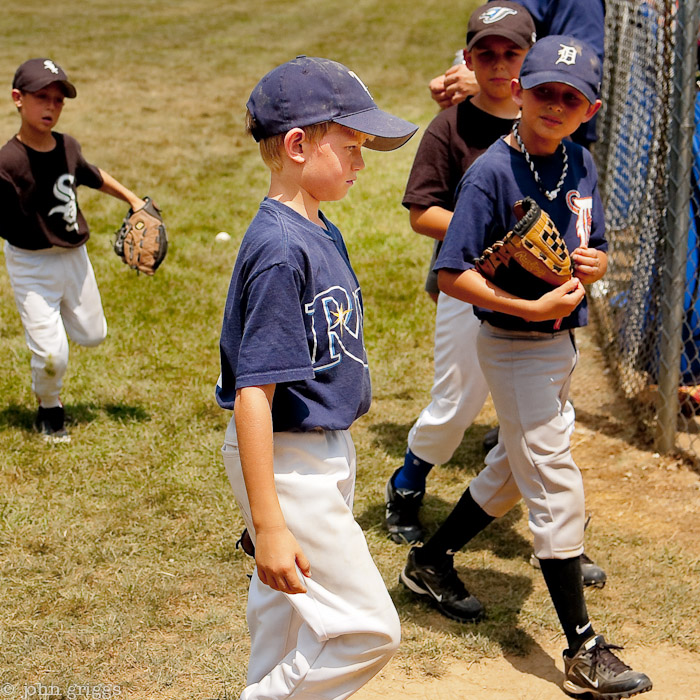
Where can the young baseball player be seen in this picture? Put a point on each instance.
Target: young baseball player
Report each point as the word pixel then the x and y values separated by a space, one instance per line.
pixel 45 234
pixel 294 371
pixel 498 37
pixel 527 351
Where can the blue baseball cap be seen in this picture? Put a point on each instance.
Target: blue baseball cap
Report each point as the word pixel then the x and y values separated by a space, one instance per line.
pixel 310 90
pixel 563 59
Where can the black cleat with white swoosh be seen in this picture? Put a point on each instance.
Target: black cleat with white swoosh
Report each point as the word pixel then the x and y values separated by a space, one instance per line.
pixel 594 671
pixel 440 583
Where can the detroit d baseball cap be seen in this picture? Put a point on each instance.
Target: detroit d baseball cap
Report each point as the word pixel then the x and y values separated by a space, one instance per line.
pixel 563 59
pixel 37 73
pixel 508 19
pixel 308 90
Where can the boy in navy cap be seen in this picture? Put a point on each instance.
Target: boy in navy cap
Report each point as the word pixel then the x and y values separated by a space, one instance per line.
pixel 45 234
pixel 528 354
pixel 294 371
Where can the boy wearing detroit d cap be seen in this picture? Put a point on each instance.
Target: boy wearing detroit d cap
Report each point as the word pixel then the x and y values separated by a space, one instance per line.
pixel 45 234
pixel 499 35
pixel 528 355
pixel 294 371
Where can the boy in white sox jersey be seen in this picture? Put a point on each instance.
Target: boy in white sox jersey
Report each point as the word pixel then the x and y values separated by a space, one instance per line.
pixel 294 371
pixel 527 352
pixel 45 234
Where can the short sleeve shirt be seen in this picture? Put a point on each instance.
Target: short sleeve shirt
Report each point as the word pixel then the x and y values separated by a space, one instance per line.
pixel 450 144
pixel 38 192
pixel 484 214
pixel 294 318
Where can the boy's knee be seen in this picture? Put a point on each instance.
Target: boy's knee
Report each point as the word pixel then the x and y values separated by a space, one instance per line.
pixel 89 338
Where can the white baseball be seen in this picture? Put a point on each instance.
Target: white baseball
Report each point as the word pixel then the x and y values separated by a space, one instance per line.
pixel 223 236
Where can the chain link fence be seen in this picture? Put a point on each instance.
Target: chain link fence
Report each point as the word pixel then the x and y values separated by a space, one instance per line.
pixel 648 155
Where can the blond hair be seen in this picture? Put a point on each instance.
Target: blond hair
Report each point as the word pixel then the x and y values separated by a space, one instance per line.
pixel 271 147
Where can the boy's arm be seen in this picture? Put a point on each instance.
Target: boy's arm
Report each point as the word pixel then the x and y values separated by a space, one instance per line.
pixel 277 552
pixel 471 287
pixel 115 188
pixel 430 221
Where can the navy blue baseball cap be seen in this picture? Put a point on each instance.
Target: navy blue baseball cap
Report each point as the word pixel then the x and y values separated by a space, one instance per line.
pixel 37 73
pixel 310 90
pixel 563 59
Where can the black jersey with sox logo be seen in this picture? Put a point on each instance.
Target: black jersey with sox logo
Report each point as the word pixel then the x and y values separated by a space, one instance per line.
pixel 38 194
pixel 294 318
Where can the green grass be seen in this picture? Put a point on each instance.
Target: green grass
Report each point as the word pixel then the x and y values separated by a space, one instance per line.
pixel 117 558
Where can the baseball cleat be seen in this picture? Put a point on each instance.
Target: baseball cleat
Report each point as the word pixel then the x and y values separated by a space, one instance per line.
pixel 490 439
pixel 593 575
pixel 402 506
pixel 246 543
pixel 50 423
pixel 595 671
pixel 443 587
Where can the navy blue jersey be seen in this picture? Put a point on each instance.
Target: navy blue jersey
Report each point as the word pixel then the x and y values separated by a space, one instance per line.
pixel 294 318
pixel 484 214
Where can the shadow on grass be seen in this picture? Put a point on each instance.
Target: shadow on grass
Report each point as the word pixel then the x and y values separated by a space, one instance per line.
pixel 503 596
pixel 500 537
pixel 392 437
pixel 603 422
pixel 17 416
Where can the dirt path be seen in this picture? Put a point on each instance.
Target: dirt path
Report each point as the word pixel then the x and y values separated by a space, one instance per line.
pixel 675 673
pixel 626 484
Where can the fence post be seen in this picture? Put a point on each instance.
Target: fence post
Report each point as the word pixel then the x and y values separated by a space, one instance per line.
pixel 677 218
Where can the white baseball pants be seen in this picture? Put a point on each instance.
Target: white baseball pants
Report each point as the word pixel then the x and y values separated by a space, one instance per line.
pixel 55 292
pixel 328 642
pixel 459 388
pixel 529 375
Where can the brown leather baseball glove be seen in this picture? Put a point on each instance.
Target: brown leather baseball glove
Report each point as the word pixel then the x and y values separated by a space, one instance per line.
pixel 142 241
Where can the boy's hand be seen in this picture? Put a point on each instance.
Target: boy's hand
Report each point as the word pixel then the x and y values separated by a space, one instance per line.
pixel 277 554
pixel 454 86
pixel 589 264
pixel 559 303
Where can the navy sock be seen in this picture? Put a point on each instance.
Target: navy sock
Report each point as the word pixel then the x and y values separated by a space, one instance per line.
pixel 413 474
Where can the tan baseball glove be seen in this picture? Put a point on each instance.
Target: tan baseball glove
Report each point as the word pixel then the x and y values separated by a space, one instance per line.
pixel 534 244
pixel 142 241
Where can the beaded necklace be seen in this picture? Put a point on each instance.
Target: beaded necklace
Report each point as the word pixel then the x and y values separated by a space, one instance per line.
pixel 549 194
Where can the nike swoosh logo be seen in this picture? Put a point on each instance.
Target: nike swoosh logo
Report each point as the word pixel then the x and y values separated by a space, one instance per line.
pixel 581 630
pixel 433 593
pixel 594 684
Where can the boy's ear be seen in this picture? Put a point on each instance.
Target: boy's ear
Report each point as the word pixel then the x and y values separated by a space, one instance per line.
pixel 516 91
pixel 17 97
pixel 592 109
pixel 294 143
pixel 468 60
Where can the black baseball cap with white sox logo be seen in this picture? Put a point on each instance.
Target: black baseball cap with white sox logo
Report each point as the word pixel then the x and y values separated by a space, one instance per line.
pixel 508 19
pixel 563 59
pixel 37 73
pixel 308 90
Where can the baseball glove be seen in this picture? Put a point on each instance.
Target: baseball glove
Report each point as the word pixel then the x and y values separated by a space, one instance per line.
pixel 534 244
pixel 142 241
